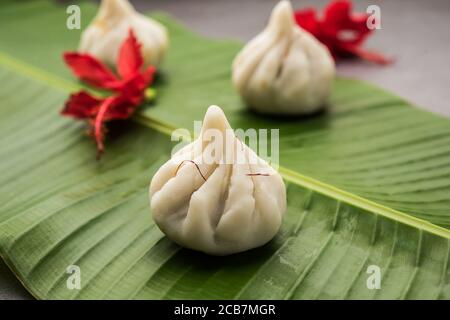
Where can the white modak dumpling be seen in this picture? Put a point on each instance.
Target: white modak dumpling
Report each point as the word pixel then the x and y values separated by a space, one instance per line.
pixel 284 70
pixel 216 195
pixel 106 33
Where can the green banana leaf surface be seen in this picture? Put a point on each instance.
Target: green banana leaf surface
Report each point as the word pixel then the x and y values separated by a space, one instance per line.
pixel 368 182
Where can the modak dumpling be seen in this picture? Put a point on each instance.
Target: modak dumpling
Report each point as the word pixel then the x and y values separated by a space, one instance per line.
pixel 216 195
pixel 106 33
pixel 284 70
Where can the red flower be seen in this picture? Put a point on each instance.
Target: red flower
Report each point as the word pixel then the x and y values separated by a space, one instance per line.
pixel 128 87
pixel 342 31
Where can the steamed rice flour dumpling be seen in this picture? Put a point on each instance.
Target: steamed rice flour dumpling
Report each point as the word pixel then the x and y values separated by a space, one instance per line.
pixel 284 70
pixel 106 33
pixel 216 195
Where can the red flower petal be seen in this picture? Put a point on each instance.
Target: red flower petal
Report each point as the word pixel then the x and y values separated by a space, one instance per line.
pixel 112 108
pixel 148 75
pixel 339 19
pixel 370 55
pixel 130 58
pixel 129 90
pixel 307 20
pixel 134 88
pixel 342 31
pixel 124 107
pixel 89 69
pixel 81 105
pixel 99 122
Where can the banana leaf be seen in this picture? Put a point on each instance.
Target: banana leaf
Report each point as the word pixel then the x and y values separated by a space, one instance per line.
pixel 368 182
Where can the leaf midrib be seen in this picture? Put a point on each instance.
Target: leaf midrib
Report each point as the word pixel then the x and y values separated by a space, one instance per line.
pixel 164 127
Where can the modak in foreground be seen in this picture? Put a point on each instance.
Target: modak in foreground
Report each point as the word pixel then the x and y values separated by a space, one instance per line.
pixel 216 195
pixel 106 33
pixel 284 70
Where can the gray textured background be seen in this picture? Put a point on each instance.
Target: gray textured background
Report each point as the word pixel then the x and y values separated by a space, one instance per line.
pixel 415 32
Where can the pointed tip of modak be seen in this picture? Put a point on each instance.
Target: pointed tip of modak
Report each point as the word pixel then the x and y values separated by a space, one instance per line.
pixel 282 16
pixel 283 6
pixel 215 119
pixel 115 7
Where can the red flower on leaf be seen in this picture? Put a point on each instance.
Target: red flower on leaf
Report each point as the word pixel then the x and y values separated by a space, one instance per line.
pixel 342 31
pixel 128 87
